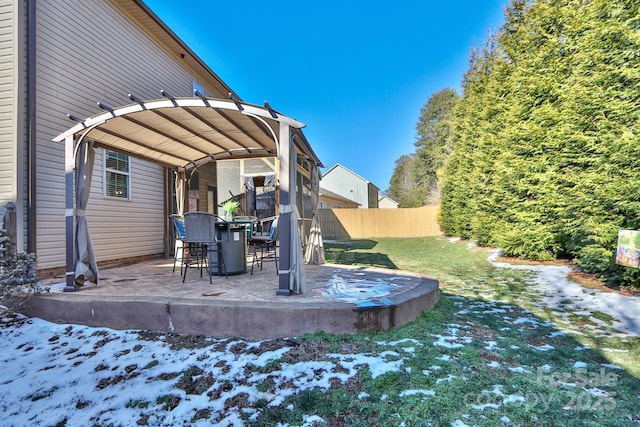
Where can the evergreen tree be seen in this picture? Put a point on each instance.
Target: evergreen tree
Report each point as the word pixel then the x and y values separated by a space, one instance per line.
pixel 402 187
pixel 601 165
pixel 546 145
pixel 468 171
pixel 433 143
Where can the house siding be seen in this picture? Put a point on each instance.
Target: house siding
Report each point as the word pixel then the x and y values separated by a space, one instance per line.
pixel 207 178
pixel 89 52
pixel 13 149
pixel 385 202
pixel 344 183
pixel 8 125
pixel 372 196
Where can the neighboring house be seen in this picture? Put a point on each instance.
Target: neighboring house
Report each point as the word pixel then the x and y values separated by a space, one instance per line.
pixel 348 184
pixel 63 56
pixel 385 202
pixel 330 200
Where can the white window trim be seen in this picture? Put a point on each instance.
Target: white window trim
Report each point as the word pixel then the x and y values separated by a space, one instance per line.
pixel 105 169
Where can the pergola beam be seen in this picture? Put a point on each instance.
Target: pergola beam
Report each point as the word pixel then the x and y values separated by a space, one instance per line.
pixel 218 104
pixel 167 135
pixel 217 129
pixel 140 144
pixel 234 123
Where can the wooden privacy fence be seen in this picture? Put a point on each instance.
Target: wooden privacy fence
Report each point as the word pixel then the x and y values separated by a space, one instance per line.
pixel 361 223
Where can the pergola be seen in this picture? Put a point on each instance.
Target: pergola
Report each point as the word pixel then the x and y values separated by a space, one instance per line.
pixel 182 134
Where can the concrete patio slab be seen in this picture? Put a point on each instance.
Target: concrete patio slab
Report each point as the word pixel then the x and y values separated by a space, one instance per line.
pixel 149 296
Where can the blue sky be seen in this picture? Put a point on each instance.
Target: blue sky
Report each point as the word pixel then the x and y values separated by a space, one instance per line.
pixel 355 72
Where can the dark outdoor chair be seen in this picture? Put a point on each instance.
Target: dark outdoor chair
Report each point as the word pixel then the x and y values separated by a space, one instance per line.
pixel 181 245
pixel 205 247
pixel 265 247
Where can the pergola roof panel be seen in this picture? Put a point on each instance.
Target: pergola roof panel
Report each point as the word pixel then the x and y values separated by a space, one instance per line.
pixel 156 153
pixel 180 132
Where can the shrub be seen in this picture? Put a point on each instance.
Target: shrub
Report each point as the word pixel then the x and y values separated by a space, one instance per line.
pixel 529 243
pixel 18 275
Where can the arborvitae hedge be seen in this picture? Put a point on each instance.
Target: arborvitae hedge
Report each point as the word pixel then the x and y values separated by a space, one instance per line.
pixel 546 138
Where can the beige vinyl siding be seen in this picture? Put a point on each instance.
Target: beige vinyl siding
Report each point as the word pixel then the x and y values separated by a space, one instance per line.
pixel 8 184
pixel 88 52
pixel 344 183
pixel 142 216
pixel 13 148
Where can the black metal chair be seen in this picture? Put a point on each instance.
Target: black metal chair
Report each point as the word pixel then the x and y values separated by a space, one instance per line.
pixel 205 250
pixel 265 247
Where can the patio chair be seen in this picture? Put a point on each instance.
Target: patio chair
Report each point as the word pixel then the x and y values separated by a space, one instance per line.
pixel 265 247
pixel 205 248
pixel 181 245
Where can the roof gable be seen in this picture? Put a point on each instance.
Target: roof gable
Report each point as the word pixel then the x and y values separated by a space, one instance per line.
pixel 339 167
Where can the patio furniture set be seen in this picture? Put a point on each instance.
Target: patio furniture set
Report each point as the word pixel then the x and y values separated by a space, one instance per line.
pixel 206 241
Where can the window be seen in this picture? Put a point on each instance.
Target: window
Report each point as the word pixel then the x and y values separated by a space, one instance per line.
pixel 197 87
pixel 116 175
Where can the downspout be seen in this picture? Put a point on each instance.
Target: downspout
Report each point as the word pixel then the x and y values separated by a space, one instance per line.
pixel 31 126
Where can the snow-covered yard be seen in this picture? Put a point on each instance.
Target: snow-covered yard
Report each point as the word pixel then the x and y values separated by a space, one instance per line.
pixel 69 375
pixel 566 296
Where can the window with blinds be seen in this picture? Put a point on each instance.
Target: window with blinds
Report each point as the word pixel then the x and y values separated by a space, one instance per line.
pixel 116 175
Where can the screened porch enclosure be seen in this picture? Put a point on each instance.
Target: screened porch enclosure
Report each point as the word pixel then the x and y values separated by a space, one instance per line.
pixel 253 182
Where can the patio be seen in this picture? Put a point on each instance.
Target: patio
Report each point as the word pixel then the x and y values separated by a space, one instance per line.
pixel 149 296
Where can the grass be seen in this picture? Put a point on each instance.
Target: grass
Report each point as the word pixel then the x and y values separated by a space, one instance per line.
pixel 485 355
pixel 488 354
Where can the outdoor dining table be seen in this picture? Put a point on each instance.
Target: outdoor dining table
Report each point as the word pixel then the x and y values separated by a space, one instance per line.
pixel 249 222
pixel 232 241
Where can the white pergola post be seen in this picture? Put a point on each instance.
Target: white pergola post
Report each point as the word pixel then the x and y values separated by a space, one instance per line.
pixel 284 220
